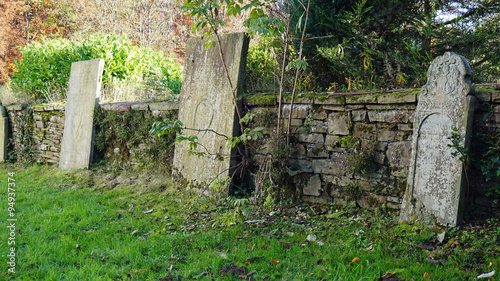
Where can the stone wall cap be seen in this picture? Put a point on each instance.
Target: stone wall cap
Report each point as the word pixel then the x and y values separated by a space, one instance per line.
pixel 164 106
pixel 118 106
pixel 14 107
pixel 140 106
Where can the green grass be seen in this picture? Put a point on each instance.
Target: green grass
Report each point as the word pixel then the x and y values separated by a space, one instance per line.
pixel 105 225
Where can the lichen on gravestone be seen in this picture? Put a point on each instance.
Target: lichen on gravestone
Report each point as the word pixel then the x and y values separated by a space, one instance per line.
pixel 206 102
pixel 83 93
pixel 436 179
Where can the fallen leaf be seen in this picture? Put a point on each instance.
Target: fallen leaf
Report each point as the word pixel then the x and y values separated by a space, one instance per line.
pixel 322 269
pixel 441 236
pixel 334 215
pixel 148 211
pixel 275 261
pixel 311 238
pixel 386 276
pixel 354 260
pixel 134 232
pixel 426 275
pixel 358 232
pixel 486 275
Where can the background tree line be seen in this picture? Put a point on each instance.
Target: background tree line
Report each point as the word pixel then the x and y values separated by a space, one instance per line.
pixel 348 45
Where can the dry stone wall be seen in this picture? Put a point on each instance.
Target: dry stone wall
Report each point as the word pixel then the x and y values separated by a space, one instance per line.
pixel 322 126
pixel 36 132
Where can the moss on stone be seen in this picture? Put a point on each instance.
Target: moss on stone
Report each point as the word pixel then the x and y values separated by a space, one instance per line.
pixel 261 99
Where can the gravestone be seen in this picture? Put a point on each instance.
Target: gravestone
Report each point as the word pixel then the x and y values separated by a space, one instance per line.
pixel 4 134
pixel 206 102
pixel 84 89
pixel 436 179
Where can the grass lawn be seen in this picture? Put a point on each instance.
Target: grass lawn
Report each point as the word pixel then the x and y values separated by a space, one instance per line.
pixel 105 225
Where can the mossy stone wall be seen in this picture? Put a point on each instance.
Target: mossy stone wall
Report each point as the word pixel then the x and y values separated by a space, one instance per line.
pixel 122 133
pixel 322 123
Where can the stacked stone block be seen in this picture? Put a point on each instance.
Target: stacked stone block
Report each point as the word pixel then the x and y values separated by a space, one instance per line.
pixel 47 133
pixel 383 121
pixel 47 129
pixel 319 124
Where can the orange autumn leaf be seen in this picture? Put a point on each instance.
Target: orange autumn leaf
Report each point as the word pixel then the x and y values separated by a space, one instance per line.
pixel 426 275
pixel 275 261
pixel 354 260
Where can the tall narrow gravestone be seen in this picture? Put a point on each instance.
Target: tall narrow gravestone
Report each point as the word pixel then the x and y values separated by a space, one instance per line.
pixel 436 178
pixel 206 103
pixel 83 94
pixel 4 134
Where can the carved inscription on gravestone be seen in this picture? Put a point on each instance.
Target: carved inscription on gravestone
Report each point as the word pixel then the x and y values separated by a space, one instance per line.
pixel 436 178
pixel 83 94
pixel 206 102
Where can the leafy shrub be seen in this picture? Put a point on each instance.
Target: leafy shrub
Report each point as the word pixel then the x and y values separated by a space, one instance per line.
pixel 264 66
pixel 46 66
pixel 486 144
pixel 261 72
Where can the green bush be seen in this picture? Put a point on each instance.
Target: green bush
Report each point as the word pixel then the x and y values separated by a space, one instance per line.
pixel 46 66
pixel 262 66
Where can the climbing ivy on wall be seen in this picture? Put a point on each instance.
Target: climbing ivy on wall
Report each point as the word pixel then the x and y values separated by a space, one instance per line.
pixel 120 135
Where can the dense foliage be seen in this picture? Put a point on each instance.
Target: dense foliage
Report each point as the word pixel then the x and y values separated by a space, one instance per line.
pixel 389 44
pixel 46 66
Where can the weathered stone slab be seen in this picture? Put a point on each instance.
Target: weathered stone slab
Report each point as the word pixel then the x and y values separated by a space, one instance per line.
pixel 358 115
pixel 398 154
pixel 83 94
pixel 206 102
pixel 299 110
pixel 338 124
pixel 302 165
pixel 140 106
pixel 397 98
pixel 436 178
pixel 317 126
pixel 326 99
pixel 165 106
pixel 391 116
pixel 313 187
pixel 312 138
pixel 118 106
pixel 316 151
pixel 4 134
pixel 361 99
